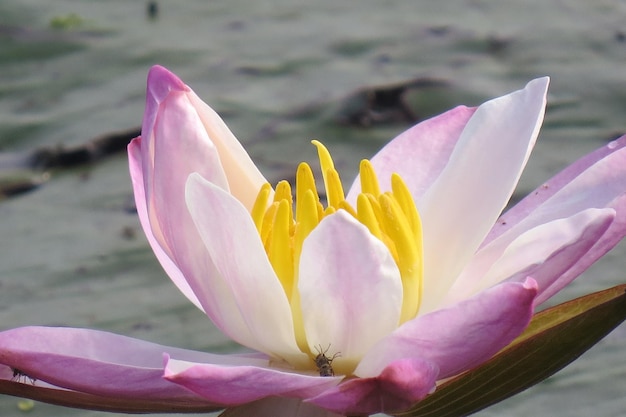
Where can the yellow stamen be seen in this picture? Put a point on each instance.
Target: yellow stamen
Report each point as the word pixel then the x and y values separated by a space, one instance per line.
pixel 378 214
pixel 283 193
pixel 344 205
pixel 396 226
pixel 332 182
pixel 307 220
pixel 334 189
pixel 391 217
pixel 279 248
pixel 308 204
pixel 305 182
pixel 369 182
pixel 366 215
pixel 405 199
pixel 260 205
pixel 267 223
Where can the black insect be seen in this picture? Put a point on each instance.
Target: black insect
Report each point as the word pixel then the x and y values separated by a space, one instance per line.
pixel 323 362
pixel 20 376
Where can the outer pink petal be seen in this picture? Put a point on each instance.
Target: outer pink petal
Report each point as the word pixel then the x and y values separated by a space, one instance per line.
pixel 461 336
pixel 173 145
pixel 545 252
pixel 605 166
pixel 613 235
pixel 350 288
pixel 465 200
pixel 169 220
pixel 100 363
pixel 233 385
pixel 420 153
pixel 166 90
pixel 244 178
pixel 248 299
pixel 596 180
pixel 278 407
pixel 172 270
pixel 401 383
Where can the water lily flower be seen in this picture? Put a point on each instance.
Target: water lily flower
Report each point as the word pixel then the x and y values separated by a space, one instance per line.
pixel 357 305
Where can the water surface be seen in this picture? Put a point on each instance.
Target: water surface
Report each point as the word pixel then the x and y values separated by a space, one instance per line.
pixel 72 252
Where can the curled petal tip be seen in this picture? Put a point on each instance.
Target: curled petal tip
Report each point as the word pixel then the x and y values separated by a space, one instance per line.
pixel 543 81
pixel 161 81
pixel 531 284
pixel 539 86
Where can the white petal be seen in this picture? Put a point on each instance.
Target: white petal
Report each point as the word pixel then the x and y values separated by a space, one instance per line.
pixel 350 287
pixel 483 170
pixel 251 301
pixel 525 255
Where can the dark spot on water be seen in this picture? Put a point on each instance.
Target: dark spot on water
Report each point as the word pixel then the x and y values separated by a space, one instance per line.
pixel 152 10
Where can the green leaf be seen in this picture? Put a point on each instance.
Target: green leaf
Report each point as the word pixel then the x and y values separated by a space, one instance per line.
pixel 554 338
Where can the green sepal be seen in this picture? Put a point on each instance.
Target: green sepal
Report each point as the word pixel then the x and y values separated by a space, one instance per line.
pixel 554 338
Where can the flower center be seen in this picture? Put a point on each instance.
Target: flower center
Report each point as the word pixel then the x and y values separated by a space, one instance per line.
pixel 391 216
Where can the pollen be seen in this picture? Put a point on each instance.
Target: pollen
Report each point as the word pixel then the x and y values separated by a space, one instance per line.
pixel 391 216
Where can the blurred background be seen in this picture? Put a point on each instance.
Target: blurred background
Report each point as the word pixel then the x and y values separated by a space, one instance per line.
pixel 352 74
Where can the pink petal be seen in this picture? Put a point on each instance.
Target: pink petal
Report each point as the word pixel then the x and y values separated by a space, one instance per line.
pixel 467 197
pixel 244 178
pixel 173 235
pixel 600 166
pixel 461 336
pixel 173 145
pixel 614 234
pixel 420 153
pixel 596 181
pixel 172 270
pixel 99 363
pixel 544 252
pixel 278 407
pixel 350 288
pixel 233 385
pixel 198 127
pixel 400 384
pixel 247 297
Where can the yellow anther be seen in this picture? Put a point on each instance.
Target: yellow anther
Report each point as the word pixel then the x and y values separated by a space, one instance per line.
pixel 332 182
pixel 320 210
pixel 375 207
pixel 397 227
pixel 334 188
pixel 279 250
pixel 377 211
pixel 404 198
pixel 347 207
pixel 326 161
pixel 305 182
pixel 391 217
pixel 308 217
pixel 268 223
pixel 283 192
pixel 365 214
pixel 369 182
pixel 260 205
pixel 308 221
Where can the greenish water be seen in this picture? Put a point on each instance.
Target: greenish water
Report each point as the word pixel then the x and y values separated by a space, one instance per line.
pixel 72 254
